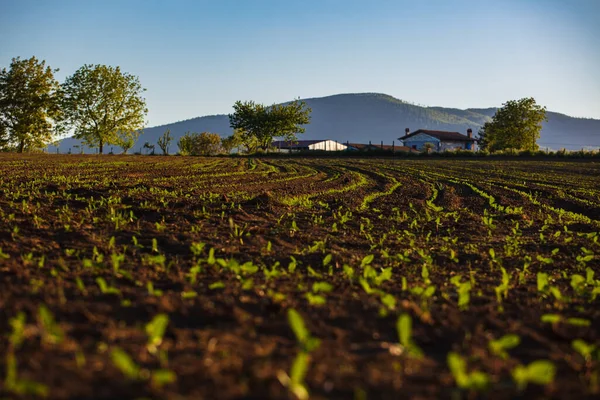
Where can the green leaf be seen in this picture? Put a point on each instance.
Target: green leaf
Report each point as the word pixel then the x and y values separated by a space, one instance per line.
pixel 155 330
pixel 404 328
pixel 583 348
pixel 216 285
pixel 125 363
pixel 367 260
pixel 161 377
pixel 578 321
pixel 540 372
pixel 297 324
pixel 551 318
pixel 52 332
pixel 299 368
pixel 506 342
pixel 322 287
pixel 542 281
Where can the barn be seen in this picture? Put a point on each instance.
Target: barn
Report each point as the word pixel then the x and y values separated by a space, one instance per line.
pixel 438 140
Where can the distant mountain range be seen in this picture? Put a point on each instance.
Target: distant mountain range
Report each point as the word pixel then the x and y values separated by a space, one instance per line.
pixel 375 117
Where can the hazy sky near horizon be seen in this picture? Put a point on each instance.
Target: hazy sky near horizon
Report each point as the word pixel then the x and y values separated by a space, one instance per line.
pixel 198 57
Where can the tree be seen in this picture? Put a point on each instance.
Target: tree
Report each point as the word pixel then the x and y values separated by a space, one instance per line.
pixel 230 142
pixel 428 147
pixel 185 144
pixel 148 147
pixel 164 141
pixel 516 125
pixel 29 104
pixel 207 144
pixel 265 123
pixel 199 144
pixel 100 102
pixel 126 140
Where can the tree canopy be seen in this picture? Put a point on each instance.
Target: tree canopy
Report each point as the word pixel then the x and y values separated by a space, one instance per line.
pixel 103 105
pixel 267 122
pixel 199 144
pixel 29 104
pixel 516 125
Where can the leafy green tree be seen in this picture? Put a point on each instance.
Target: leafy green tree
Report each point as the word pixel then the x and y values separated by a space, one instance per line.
pixel 100 102
pixel 517 125
pixel 199 144
pixel 164 141
pixel 126 140
pixel 207 144
pixel 230 142
pixel 185 144
pixel 29 104
pixel 265 123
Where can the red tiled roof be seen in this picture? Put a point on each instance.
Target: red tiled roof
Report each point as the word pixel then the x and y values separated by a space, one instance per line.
pixel 441 135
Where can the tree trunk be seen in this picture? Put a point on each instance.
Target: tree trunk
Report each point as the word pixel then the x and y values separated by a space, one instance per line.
pixel 21 146
pixel 101 147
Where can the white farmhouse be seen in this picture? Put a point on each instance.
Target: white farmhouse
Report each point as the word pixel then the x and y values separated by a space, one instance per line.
pixel 303 145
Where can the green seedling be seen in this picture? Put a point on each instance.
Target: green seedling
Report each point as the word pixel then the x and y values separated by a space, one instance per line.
pixel 475 380
pixel 498 347
pixel 540 372
pixel 305 340
pixel 155 330
pixel 124 363
pixel 52 334
pixel 19 386
pixel 189 294
pixel 586 350
pixel 556 318
pixel 18 330
pixel 404 329
pixel 295 381
pixel 105 289
pixel 152 291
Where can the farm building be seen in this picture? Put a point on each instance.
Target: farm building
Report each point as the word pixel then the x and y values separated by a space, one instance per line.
pixel 303 145
pixel 439 140
pixel 377 147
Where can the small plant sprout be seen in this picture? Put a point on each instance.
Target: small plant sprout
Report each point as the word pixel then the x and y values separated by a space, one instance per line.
pixel 305 340
pixel 124 363
pixel 404 328
pixel 18 330
pixel 584 349
pixel 295 381
pixel 19 386
pixel 475 380
pixel 498 347
pixel 539 372
pixel 52 334
pixel 155 330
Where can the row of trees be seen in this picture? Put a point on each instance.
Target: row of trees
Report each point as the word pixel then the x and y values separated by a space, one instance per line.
pixel 99 104
pixel 254 128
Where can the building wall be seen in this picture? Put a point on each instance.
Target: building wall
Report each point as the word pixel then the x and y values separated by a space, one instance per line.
pixel 329 145
pixel 418 141
pixel 453 146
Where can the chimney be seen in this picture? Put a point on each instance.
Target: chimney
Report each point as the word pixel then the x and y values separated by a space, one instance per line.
pixel 470 133
pixel 406 131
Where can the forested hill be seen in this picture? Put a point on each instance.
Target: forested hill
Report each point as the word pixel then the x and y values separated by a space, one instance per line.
pixel 375 117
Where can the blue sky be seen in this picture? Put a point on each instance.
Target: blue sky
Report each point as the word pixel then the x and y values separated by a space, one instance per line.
pixel 198 57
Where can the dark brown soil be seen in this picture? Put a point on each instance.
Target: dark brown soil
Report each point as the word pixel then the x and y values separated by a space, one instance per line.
pixel 184 225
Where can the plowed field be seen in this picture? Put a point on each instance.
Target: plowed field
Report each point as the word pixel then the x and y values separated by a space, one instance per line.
pixel 220 278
